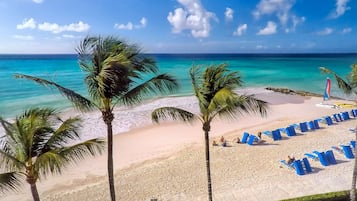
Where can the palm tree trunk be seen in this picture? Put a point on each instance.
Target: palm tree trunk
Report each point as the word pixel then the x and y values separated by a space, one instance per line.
pixel 354 176
pixel 108 118
pixel 208 165
pixel 34 192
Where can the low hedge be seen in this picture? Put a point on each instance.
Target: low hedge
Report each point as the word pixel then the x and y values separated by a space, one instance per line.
pixel 334 196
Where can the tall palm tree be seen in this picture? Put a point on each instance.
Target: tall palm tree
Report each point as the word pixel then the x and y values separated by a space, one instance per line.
pixel 115 74
pixel 348 87
pixel 36 144
pixel 214 89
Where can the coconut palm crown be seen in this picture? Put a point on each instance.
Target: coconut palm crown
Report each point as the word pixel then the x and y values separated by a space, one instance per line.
pixel 36 145
pixel 348 87
pixel 117 73
pixel 214 89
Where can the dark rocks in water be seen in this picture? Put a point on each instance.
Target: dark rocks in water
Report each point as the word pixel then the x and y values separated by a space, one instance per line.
pixel 292 92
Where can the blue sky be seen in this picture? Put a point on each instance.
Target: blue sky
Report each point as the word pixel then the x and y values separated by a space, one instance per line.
pixel 181 26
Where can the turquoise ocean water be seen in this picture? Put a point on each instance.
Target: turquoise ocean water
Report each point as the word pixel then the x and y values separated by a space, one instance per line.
pixel 295 71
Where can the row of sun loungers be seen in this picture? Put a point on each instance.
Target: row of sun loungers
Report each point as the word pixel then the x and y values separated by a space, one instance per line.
pixel 326 158
pixel 310 125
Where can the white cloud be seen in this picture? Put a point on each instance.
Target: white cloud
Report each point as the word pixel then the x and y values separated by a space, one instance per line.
pixel 131 26
pixel 193 17
pixel 347 30
pixel 23 37
pixel 27 24
pixel 229 14
pixel 240 30
pixel 55 28
pixel 341 8
pixel 143 22
pixel 295 22
pixel 326 31
pixel 281 8
pixel 128 26
pixel 269 29
pixel 38 1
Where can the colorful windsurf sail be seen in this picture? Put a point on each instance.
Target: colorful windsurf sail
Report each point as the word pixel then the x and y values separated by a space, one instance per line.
pixel 327 92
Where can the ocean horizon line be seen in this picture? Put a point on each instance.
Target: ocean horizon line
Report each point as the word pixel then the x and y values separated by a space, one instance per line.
pixel 202 53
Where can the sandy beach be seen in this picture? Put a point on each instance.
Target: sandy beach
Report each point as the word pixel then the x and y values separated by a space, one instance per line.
pixel 167 161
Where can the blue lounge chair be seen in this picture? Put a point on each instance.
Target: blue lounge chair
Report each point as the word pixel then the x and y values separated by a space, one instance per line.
pixel 268 133
pixel 322 158
pixel 328 120
pixel 345 116
pixel 276 134
pixel 312 156
pixel 289 166
pixel 252 139
pixel 316 124
pixel 296 126
pixel 307 165
pixel 298 167
pixel 338 149
pixel 311 125
pixel 245 137
pixel 354 112
pixel 347 151
pixel 353 144
pixel 303 127
pixel 330 157
pixel 337 117
pixel 290 131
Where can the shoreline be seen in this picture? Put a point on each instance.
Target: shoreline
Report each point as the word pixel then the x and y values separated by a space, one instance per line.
pixel 160 161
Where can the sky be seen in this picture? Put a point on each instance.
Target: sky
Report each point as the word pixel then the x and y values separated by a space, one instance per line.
pixel 181 26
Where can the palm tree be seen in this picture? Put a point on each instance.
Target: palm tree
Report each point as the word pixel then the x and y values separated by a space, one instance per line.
pixel 116 73
pixel 36 144
pixel 348 87
pixel 214 91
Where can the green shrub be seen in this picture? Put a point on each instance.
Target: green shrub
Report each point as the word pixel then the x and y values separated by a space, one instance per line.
pixel 334 196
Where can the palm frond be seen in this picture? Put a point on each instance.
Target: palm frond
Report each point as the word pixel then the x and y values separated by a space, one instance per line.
pixel 249 104
pixel 160 84
pixel 173 113
pixel 78 100
pixel 50 162
pixel 8 158
pixel 10 181
pixel 8 127
pixel 352 77
pixel 197 82
pixel 81 150
pixel 222 98
pixel 342 84
pixel 67 131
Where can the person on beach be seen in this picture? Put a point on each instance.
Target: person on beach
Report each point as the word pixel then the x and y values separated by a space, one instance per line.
pixel 223 141
pixel 259 135
pixel 214 143
pixel 237 140
pixel 291 159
